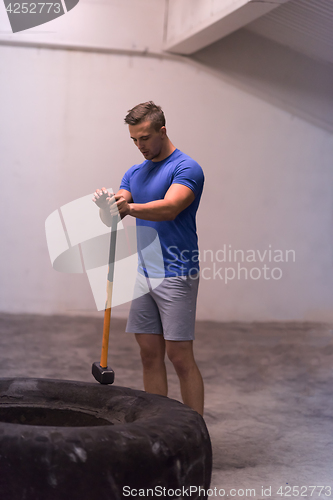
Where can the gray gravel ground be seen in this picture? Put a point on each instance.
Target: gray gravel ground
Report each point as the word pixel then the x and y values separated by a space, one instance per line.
pixel 269 392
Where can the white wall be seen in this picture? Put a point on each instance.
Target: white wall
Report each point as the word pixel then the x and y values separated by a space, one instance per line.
pixel 97 24
pixel 195 24
pixel 268 176
pixel 287 79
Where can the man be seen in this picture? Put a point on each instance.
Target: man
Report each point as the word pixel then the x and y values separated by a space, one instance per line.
pixel 163 193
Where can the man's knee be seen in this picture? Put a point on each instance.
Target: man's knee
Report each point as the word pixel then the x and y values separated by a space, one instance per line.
pixel 182 367
pixel 181 356
pixel 151 350
pixel 149 358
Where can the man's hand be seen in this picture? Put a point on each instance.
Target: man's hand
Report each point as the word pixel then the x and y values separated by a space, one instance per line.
pixel 103 198
pixel 107 205
pixel 120 206
pixel 112 205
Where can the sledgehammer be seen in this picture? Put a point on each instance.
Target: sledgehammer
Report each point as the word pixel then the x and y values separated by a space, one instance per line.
pixel 102 373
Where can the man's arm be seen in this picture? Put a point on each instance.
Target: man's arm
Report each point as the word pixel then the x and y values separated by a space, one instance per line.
pixel 177 198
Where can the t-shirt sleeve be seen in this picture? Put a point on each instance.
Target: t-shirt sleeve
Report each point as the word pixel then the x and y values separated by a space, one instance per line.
pixel 125 182
pixel 190 174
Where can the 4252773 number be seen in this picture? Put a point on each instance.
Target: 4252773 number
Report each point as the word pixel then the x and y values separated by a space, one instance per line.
pixel 33 8
pixel 304 491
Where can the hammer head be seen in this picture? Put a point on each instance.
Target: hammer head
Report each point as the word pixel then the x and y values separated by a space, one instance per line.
pixel 102 375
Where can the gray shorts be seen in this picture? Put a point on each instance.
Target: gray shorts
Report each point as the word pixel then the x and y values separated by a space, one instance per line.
pixel 168 309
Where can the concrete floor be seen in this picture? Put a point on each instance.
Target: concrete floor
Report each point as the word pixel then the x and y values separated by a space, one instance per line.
pixel 269 391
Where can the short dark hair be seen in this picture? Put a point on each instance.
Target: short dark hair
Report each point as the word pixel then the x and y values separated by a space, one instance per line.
pixel 146 111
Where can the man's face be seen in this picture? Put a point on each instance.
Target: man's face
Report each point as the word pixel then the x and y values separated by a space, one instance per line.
pixel 147 139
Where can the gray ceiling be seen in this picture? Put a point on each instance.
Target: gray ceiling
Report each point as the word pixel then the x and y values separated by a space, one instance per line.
pixel 303 25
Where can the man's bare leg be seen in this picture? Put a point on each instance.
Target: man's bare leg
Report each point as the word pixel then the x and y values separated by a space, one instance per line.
pixel 181 355
pixel 152 351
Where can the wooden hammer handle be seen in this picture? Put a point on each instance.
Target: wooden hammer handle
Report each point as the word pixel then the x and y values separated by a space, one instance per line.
pixel 107 312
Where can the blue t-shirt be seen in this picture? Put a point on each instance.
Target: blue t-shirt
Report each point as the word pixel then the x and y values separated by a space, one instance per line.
pixel 150 181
